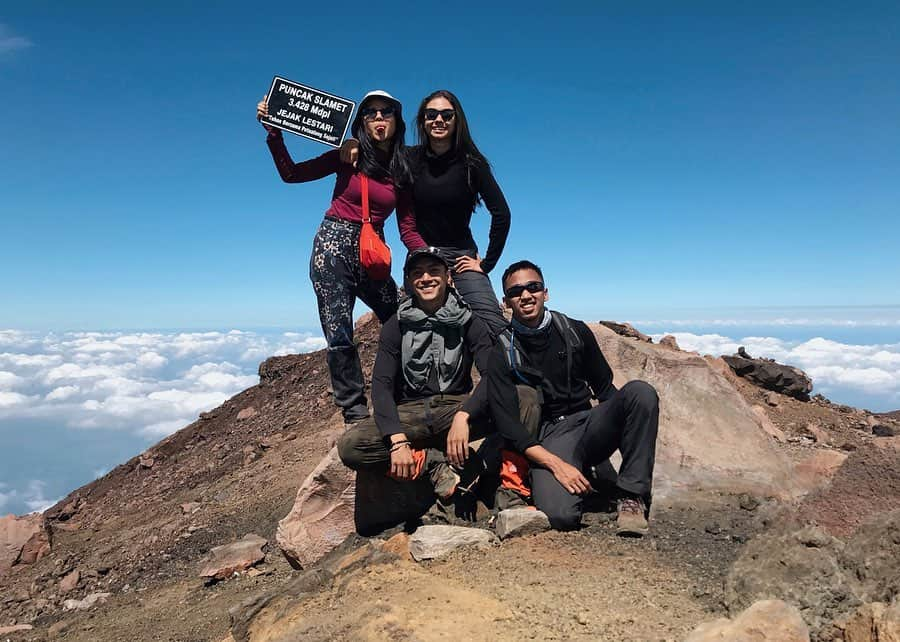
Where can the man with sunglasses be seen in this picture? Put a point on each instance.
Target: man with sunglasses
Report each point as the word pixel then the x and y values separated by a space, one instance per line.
pixel 560 358
pixel 424 417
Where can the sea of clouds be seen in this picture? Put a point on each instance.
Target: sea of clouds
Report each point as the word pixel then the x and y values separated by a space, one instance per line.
pixel 147 384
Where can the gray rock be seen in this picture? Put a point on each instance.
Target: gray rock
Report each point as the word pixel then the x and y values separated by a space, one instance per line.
pixel 86 603
pixel 801 568
pixel 521 521
pixel 431 542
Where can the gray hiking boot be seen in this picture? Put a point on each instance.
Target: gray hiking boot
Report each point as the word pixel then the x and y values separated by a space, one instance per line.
pixel 631 521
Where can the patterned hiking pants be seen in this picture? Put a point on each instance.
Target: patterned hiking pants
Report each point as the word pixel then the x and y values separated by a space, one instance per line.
pixel 338 280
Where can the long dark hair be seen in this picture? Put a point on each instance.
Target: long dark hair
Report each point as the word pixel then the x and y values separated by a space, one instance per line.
pixel 398 167
pixel 463 144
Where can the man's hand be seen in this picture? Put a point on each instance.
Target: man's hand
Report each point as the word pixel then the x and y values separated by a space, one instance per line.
pixel 403 466
pixel 468 264
pixel 458 439
pixel 350 151
pixel 570 478
pixel 566 474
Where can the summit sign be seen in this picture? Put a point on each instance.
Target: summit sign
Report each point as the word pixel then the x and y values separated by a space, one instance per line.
pixel 308 112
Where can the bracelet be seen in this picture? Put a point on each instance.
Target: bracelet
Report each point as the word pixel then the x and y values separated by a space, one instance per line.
pixel 400 445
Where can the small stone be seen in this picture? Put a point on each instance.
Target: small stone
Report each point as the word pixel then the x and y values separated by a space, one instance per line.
pixel 765 620
pixel 235 557
pixel 15 627
pixel 883 431
pixel 247 413
pixel 815 431
pixel 190 508
pixel 669 342
pixel 399 545
pixel 582 618
pixel 521 521
pixel 69 582
pixel 772 399
pixel 147 462
pixel 86 603
pixel 431 542
pixel 748 502
pixel 58 629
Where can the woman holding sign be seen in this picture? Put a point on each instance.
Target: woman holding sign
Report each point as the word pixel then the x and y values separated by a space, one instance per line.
pixel 451 177
pixel 337 274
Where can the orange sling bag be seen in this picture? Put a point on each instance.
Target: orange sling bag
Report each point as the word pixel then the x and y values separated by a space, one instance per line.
pixel 374 254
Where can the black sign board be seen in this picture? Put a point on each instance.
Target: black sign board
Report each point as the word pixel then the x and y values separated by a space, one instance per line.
pixel 308 112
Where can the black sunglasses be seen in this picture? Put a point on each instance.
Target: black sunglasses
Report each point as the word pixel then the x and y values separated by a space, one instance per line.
pixel 515 291
pixel 368 113
pixel 446 114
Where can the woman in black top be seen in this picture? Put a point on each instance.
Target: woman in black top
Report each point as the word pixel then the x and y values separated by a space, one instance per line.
pixel 451 177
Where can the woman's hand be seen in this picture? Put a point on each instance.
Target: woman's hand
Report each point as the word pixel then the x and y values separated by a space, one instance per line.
pixel 468 264
pixel 262 110
pixel 350 151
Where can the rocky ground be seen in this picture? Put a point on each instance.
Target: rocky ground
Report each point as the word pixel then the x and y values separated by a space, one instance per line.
pixel 142 534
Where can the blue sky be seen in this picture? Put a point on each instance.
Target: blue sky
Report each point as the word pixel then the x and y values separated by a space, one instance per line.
pixel 654 156
pixel 727 173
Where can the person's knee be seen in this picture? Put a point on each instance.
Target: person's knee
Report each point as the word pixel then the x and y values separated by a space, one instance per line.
pixel 563 518
pixel 642 394
pixel 348 450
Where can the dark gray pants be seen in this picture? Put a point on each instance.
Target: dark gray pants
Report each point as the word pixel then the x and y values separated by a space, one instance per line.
pixel 476 290
pixel 627 422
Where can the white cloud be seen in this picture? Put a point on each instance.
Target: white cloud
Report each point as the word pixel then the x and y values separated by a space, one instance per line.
pixel 871 369
pixel 10 42
pixel 32 496
pixel 148 383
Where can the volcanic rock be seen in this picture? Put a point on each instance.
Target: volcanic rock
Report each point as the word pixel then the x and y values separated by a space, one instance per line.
pixel 431 542
pixel 709 438
pixel 626 330
pixel 669 342
pixel 521 521
pixel 235 557
pixel 770 375
pixel 23 540
pixel 69 582
pixel 801 568
pixel 322 515
pixel 771 620
pixel 4 630
pixel 86 603
pixel 872 622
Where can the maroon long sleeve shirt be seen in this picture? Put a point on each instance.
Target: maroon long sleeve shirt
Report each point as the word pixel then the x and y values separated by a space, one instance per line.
pixel 346 201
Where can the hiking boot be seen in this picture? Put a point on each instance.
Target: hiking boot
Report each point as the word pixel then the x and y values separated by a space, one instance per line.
pixel 631 521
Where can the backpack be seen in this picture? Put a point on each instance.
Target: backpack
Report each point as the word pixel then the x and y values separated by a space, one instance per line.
pixel 523 372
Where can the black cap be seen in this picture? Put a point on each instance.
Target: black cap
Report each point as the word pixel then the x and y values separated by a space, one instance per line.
pixel 415 255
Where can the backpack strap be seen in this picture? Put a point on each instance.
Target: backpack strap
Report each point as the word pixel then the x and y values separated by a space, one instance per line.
pixel 573 344
pixel 507 340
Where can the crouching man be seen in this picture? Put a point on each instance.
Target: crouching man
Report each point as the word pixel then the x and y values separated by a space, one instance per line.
pixel 424 417
pixel 560 358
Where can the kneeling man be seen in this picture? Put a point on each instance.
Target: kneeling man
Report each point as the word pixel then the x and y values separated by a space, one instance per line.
pixel 560 358
pixel 421 384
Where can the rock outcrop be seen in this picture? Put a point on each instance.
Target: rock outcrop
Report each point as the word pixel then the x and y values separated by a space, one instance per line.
pixel 709 437
pixel 23 540
pixel 767 620
pixel 770 375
